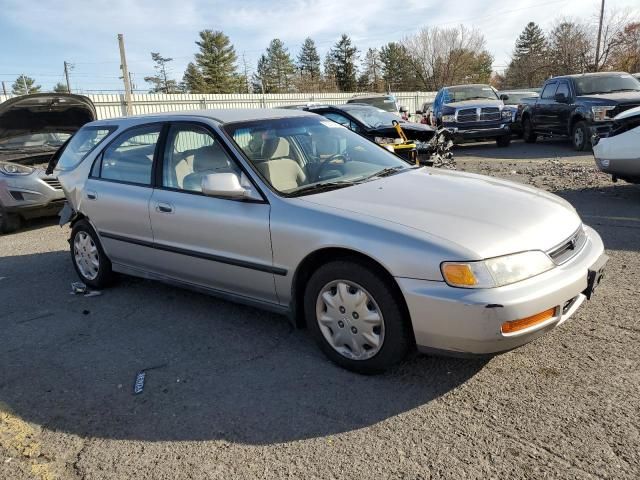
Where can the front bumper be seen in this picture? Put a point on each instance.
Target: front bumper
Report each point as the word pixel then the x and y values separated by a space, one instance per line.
pixel 30 195
pixel 619 155
pixel 468 321
pixel 478 132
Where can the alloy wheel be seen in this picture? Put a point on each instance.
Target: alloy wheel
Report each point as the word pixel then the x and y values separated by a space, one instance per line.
pixel 85 253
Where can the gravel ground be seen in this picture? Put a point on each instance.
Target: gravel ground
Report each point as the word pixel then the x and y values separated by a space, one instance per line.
pixel 238 394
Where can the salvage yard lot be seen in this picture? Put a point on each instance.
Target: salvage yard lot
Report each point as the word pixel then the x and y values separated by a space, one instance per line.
pixel 237 393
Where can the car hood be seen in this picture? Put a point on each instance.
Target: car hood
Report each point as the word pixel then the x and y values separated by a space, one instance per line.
pixel 414 131
pixel 615 97
pixel 484 102
pixel 479 214
pixel 44 113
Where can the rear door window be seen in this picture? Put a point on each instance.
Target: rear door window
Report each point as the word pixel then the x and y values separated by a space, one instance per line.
pixel 129 158
pixel 82 143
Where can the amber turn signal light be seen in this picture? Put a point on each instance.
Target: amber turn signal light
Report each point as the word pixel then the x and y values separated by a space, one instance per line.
pixel 517 325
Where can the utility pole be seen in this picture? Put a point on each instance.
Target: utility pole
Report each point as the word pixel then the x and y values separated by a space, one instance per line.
pixel 24 83
pixel 599 35
pixel 133 85
pixel 125 74
pixel 4 88
pixel 66 75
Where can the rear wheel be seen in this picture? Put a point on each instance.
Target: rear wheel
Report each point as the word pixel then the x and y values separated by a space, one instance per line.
pixel 355 318
pixel 528 134
pixel 503 141
pixel 91 263
pixel 580 136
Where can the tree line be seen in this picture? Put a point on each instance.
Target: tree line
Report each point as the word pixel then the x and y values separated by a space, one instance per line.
pixel 427 60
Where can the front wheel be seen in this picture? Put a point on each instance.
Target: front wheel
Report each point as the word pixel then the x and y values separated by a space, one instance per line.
pixel 89 260
pixel 528 134
pixel 580 136
pixel 503 141
pixel 355 318
pixel 9 222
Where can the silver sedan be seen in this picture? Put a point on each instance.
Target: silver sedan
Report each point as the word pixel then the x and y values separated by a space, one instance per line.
pixel 288 211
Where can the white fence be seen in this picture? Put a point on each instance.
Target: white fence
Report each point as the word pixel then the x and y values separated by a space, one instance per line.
pixel 113 105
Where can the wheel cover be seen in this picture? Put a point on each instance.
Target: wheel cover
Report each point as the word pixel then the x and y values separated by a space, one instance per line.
pixel 578 137
pixel 85 254
pixel 350 320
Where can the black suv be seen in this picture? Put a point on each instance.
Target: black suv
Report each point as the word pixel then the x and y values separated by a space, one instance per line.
pixel 579 106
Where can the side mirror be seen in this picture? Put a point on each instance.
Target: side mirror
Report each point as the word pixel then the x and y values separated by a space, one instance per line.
pixel 225 185
pixel 504 97
pixel 560 98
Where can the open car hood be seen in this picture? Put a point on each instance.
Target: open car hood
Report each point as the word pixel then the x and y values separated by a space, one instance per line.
pixel 44 113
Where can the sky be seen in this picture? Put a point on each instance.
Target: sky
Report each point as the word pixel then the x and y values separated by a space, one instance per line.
pixel 37 36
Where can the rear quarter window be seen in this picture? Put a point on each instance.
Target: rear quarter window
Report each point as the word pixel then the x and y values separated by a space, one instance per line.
pixel 81 144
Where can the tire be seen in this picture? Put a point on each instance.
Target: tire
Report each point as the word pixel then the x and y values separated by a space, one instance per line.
pixel 9 222
pixel 528 135
pixel 343 283
pixel 503 141
pixel 580 136
pixel 85 239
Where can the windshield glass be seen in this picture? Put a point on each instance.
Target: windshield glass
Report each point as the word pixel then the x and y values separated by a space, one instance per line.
pixel 469 92
pixel 516 97
pixel 373 117
pixel 304 155
pixel 619 82
pixel 85 140
pixel 35 141
pixel 388 104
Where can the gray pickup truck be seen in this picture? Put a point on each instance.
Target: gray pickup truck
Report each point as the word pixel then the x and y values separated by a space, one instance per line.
pixel 579 106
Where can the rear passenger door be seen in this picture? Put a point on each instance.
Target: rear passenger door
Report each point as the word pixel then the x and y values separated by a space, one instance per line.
pixel 218 243
pixel 117 194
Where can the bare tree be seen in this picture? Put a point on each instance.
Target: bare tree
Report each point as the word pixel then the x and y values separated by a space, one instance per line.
pixel 613 25
pixel 445 56
pixel 570 47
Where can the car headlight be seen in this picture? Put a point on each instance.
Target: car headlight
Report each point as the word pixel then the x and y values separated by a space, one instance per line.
pixel 496 272
pixel 507 114
pixel 600 112
pixel 449 118
pixel 15 169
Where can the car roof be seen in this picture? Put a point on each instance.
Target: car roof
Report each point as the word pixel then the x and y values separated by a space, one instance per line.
pixel 468 85
pixel 367 97
pixel 222 116
pixel 592 74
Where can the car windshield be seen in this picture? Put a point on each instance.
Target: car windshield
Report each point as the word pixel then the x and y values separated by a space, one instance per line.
pixel 51 140
pixel 373 117
pixel 516 97
pixel 593 84
pixel 470 92
pixel 304 155
pixel 388 104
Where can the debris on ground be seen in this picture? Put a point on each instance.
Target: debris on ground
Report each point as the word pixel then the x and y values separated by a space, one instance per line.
pixel 138 386
pixel 79 288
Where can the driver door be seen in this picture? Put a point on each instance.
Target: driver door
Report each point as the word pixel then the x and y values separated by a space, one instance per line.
pixel 218 243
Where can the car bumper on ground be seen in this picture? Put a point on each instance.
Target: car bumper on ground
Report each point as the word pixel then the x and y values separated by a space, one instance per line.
pixel 618 156
pixel 468 321
pixel 31 195
pixel 479 132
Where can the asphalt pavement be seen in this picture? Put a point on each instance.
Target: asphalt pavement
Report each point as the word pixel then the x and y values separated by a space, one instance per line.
pixel 235 392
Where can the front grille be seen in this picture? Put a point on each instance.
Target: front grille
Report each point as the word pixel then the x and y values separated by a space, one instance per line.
pixel 490 114
pixel 53 183
pixel 467 115
pixel 570 247
pixel 621 108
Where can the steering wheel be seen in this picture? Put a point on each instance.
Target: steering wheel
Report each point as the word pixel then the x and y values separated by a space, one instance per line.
pixel 329 160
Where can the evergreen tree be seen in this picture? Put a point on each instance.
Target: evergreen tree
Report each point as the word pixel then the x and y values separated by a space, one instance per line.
pixel 60 88
pixel 216 62
pixel 161 81
pixel 24 85
pixel 342 60
pixel 371 76
pixel 308 64
pixel 275 69
pixel 529 66
pixel 397 67
pixel 329 82
pixel 193 80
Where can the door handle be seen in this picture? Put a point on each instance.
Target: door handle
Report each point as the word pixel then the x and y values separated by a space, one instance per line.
pixel 164 208
pixel 91 195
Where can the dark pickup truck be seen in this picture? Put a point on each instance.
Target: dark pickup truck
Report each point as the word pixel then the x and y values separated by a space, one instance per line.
pixel 579 106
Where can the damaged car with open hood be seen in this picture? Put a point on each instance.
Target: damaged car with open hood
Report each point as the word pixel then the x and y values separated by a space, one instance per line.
pixel 32 130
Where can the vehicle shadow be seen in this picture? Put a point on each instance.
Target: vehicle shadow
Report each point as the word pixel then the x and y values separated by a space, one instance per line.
pixel 216 370
pixel 34 224
pixel 613 210
pixel 519 150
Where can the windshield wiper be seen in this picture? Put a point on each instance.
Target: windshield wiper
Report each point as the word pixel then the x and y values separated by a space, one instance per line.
pixel 385 172
pixel 320 187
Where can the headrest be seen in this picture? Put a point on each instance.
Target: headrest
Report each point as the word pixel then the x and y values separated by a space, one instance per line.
pixel 209 158
pixel 275 147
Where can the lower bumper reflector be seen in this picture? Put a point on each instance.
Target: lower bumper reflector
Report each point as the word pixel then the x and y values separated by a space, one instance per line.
pixel 517 325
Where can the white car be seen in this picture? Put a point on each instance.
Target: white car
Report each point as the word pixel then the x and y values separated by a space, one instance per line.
pixel 618 154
